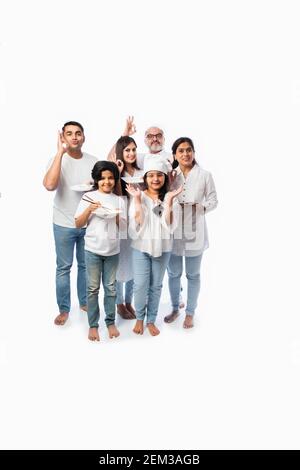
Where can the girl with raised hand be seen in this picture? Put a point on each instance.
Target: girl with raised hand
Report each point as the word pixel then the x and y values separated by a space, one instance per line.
pixel 103 212
pixel 152 217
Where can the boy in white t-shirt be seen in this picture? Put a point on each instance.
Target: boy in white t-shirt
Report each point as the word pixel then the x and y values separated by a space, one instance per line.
pixel 103 213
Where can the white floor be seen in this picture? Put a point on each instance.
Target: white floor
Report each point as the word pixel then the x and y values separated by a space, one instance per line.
pixel 231 382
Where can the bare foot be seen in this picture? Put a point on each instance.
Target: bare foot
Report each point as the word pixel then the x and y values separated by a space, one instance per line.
pixel 131 310
pixel 123 312
pixel 188 322
pixel 93 334
pixel 84 308
pixel 170 318
pixel 61 318
pixel 153 330
pixel 139 327
pixel 113 332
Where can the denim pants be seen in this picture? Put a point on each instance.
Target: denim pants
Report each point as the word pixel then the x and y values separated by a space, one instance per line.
pixel 148 277
pixel 192 270
pixel 97 265
pixel 128 292
pixel 65 241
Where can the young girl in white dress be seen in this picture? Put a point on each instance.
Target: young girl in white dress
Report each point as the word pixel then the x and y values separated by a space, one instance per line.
pixel 152 217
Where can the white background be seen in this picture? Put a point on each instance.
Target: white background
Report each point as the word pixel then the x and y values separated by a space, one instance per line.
pixel 227 74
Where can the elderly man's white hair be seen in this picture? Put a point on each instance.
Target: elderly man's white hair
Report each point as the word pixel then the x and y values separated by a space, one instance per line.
pixel 154 127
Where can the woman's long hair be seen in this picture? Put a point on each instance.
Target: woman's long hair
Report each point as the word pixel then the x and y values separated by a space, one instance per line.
pixel 175 146
pixel 121 144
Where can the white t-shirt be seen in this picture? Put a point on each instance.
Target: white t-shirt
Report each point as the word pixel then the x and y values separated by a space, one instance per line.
pixel 102 233
pixel 154 236
pixel 73 171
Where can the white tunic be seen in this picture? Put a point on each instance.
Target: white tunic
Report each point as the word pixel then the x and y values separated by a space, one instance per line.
pixel 154 236
pixel 190 236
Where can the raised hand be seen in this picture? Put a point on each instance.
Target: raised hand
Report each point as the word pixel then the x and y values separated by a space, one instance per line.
pixel 120 165
pixel 129 126
pixel 62 147
pixel 172 176
pixel 134 191
pixel 172 194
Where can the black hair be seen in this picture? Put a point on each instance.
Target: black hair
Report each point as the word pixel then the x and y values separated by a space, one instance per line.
pixel 121 144
pixel 175 146
pixel 101 166
pixel 163 190
pixel 73 123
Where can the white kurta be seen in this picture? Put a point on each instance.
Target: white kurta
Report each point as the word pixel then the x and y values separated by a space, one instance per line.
pixel 190 236
pixel 154 236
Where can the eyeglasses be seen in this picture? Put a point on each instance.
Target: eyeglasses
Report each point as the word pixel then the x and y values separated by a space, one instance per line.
pixel 151 136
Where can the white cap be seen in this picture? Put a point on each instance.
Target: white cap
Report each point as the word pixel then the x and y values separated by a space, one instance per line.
pixel 155 163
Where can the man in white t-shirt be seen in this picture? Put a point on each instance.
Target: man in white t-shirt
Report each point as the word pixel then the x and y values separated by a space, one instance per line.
pixel 69 167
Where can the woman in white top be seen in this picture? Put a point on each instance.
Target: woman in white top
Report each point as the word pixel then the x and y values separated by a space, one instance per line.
pixel 152 218
pixel 126 160
pixel 104 213
pixel 190 238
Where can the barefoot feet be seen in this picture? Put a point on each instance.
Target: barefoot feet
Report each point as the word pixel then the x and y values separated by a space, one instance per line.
pixel 113 332
pixel 188 322
pixel 124 313
pixel 139 327
pixel 153 330
pixel 61 318
pixel 131 310
pixel 170 318
pixel 93 334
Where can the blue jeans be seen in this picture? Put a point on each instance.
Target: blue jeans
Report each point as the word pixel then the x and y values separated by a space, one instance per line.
pixel 128 292
pixel 65 241
pixel 95 266
pixel 192 270
pixel 148 277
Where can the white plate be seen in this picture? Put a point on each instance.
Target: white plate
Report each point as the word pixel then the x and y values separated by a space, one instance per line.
pixel 82 187
pixel 107 213
pixel 132 179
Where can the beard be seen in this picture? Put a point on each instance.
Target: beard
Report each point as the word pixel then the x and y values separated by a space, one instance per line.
pixel 156 147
